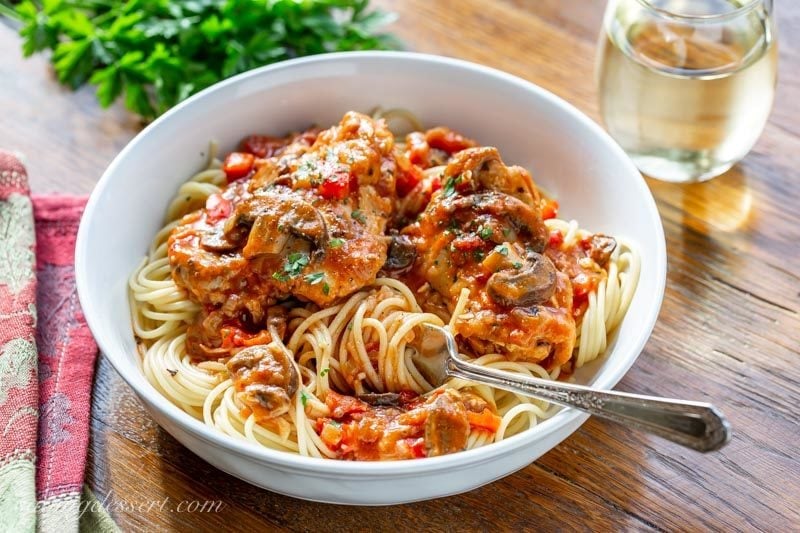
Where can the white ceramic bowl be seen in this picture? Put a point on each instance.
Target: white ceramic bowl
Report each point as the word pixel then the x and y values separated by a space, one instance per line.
pixel 567 153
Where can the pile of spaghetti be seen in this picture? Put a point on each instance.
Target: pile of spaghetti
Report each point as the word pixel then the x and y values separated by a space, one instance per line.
pixel 282 300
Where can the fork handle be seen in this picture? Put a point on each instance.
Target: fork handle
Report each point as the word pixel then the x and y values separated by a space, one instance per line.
pixel 696 425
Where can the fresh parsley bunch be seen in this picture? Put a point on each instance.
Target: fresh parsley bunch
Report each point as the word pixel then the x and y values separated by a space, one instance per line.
pixel 155 53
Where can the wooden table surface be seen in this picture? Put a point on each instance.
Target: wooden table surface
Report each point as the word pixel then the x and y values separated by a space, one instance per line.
pixel 729 329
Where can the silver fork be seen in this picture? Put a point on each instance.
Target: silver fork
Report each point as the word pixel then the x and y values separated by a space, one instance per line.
pixel 696 425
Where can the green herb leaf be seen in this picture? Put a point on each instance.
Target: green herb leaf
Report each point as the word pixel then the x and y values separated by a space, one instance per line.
pixel 293 267
pixel 314 278
pixel 501 249
pixel 326 288
pixel 295 263
pixel 324 372
pixel 485 232
pixel 358 216
pixel 336 242
pixel 182 46
pixel 449 187
pixel 303 398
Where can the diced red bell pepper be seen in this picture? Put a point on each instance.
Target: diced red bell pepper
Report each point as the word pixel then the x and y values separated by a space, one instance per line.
pixel 417 447
pixel 335 187
pixel 582 284
pixel 549 208
pixel 555 239
pixel 218 208
pixel 237 165
pixel 233 337
pixel 407 180
pixel 417 149
pixel 448 140
pixel 341 405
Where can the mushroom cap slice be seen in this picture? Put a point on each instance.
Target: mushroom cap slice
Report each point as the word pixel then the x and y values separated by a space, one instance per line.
pixel 306 221
pixel 533 283
pixel 401 254
pixel 265 378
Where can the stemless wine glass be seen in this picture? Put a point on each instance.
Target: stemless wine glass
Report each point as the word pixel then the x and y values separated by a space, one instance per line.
pixel 686 86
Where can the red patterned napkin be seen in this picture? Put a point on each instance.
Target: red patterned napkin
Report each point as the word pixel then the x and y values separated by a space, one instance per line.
pixel 47 359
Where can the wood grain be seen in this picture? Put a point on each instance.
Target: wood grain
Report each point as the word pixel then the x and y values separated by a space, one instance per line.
pixel 729 330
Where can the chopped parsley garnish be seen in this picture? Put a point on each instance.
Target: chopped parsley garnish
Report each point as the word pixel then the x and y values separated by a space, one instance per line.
pixel 478 255
pixel 303 398
pixel 334 423
pixel 517 265
pixel 294 265
pixel 501 249
pixel 314 278
pixel 336 242
pixel 449 187
pixel 359 216
pixel 485 232
pixel 326 289
pixel 453 227
pixel 506 233
pixel 324 372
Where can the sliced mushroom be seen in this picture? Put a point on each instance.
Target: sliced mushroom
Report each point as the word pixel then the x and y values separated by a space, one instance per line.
pixel 279 218
pixel 601 247
pixel 245 360
pixel 533 283
pixel 238 225
pixel 265 378
pixel 265 238
pixel 401 254
pixel 386 399
pixel 273 399
pixel 305 221
pixel 216 241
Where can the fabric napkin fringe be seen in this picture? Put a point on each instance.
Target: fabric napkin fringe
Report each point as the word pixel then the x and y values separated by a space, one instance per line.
pixel 47 357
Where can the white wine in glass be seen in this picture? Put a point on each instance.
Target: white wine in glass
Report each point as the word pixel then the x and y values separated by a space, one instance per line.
pixel 686 86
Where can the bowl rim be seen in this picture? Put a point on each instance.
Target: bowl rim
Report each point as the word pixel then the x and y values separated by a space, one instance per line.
pixel 325 467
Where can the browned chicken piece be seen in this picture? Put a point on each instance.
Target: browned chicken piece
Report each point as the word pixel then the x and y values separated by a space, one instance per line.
pixel 398 426
pixel 484 232
pixel 447 426
pixel 265 380
pixel 310 224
